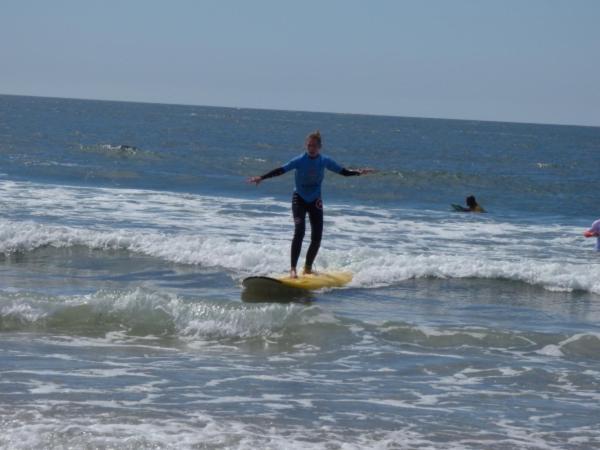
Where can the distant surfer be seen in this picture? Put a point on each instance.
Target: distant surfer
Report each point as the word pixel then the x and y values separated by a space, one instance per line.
pixel 310 171
pixel 472 206
pixel 594 231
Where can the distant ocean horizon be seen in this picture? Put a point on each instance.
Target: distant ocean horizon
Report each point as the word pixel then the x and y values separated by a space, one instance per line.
pixel 126 229
pixel 352 113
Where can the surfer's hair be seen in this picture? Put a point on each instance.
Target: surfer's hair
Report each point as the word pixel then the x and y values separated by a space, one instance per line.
pixel 471 202
pixel 316 135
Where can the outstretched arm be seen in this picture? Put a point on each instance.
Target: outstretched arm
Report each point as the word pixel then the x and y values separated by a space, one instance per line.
pixel 273 173
pixel 354 172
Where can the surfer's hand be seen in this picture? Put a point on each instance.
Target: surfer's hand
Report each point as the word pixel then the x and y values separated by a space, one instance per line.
pixel 366 170
pixel 590 233
pixel 255 180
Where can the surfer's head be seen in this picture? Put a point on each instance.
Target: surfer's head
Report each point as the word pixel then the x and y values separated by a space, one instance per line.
pixel 313 144
pixel 471 202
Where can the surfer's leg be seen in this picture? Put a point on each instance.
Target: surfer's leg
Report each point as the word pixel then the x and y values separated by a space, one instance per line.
pixel 315 214
pixel 299 213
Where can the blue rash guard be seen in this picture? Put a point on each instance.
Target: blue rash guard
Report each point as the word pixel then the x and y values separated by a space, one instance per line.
pixel 310 173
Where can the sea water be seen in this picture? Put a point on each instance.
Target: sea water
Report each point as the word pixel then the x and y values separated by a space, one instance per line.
pixel 126 229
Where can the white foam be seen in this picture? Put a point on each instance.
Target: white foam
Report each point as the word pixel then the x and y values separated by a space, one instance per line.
pixel 200 431
pixel 381 247
pixel 192 321
pixel 23 311
pixel 578 340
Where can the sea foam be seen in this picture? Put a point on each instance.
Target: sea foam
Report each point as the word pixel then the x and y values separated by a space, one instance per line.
pixel 381 247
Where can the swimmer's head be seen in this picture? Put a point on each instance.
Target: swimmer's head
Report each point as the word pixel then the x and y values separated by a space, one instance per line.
pixel 471 202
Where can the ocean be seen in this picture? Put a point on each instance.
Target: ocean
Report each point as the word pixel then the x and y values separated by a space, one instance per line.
pixel 127 228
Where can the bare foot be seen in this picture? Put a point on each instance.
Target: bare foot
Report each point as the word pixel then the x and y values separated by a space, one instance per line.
pixel 293 273
pixel 307 271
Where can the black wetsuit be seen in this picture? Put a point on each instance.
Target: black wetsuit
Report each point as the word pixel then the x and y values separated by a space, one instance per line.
pixel 315 214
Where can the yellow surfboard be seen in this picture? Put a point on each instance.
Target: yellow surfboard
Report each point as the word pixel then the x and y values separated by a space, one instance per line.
pixel 320 280
pixel 309 282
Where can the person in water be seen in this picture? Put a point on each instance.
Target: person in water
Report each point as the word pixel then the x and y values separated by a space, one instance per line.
pixel 594 231
pixel 310 171
pixel 472 205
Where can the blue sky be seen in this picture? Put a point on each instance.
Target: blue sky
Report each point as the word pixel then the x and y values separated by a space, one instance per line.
pixel 509 60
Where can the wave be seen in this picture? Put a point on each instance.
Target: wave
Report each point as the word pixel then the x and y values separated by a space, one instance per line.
pixel 372 267
pixel 142 312
pixel 382 247
pixel 122 316
pixel 119 151
pixel 553 276
pixel 184 248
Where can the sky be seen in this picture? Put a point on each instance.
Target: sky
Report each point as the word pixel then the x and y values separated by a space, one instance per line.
pixel 507 60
